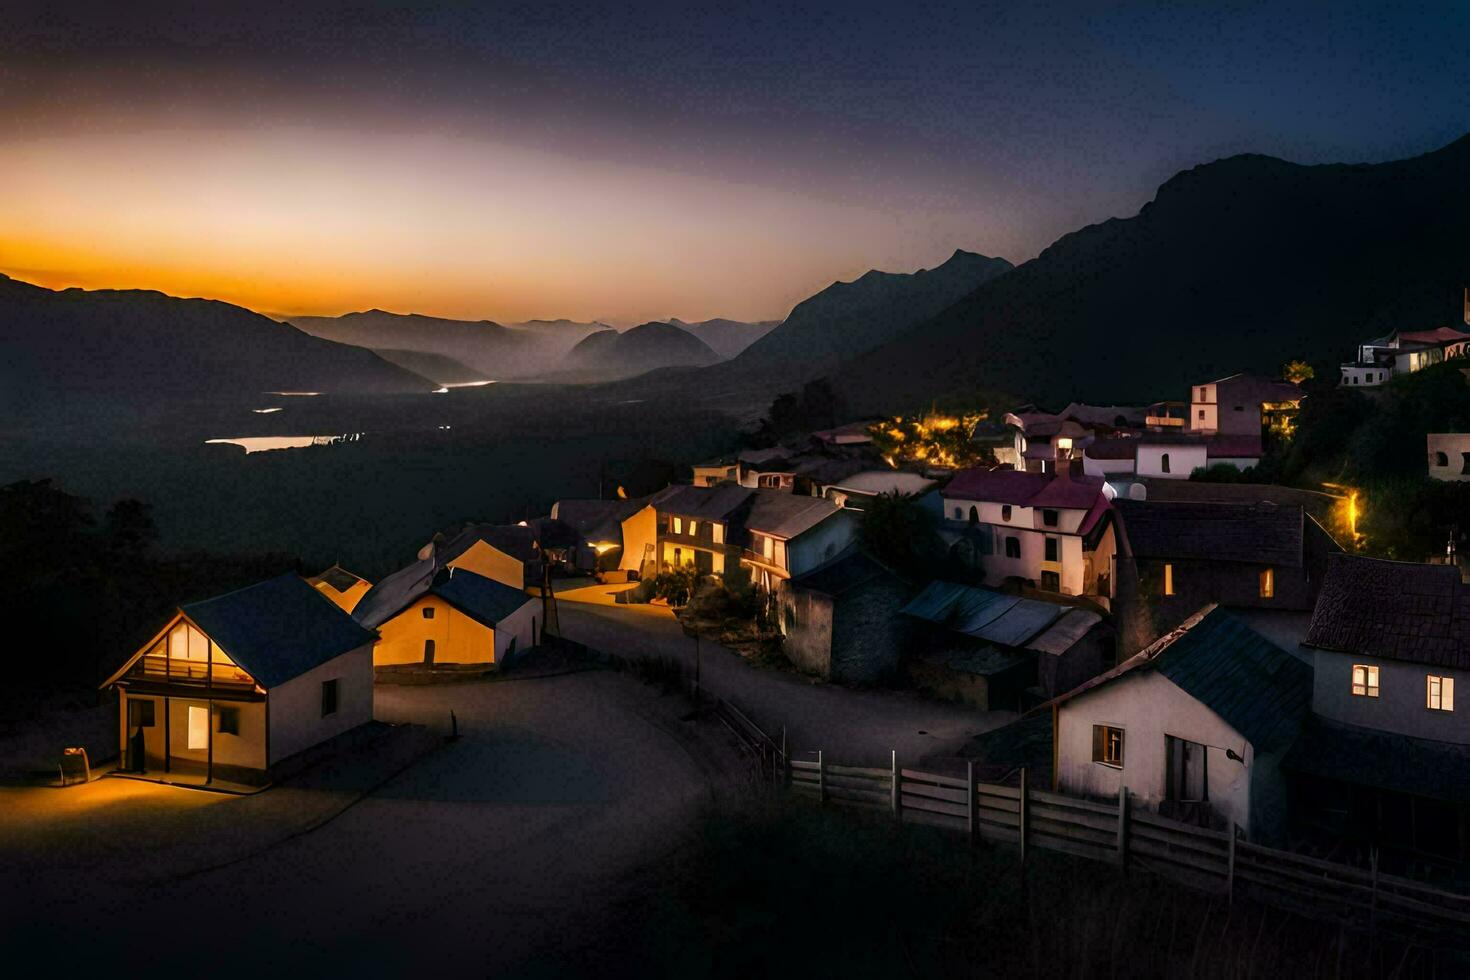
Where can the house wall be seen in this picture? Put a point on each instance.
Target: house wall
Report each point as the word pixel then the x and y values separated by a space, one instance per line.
pixel 1455 447
pixel 1148 707
pixel 519 628
pixel 1204 412
pixel 1059 673
pixel 1107 467
pixel 1183 460
pixel 806 620
pixel 820 543
pixel 245 751
pixel 868 635
pixel 1366 377
pixel 484 559
pixel 458 639
pixel 1402 702
pixel 296 721
pixel 640 533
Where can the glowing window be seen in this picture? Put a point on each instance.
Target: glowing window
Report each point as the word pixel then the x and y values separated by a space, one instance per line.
pixel 198 726
pixel 1168 579
pixel 678 525
pixel 693 526
pixel 1107 745
pixel 1268 583
pixel 719 533
pixel 1365 681
pixel 1441 693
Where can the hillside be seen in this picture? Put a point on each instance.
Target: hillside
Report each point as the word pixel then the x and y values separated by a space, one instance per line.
pixel 493 350
pixel 1237 265
pixel 727 338
pixel 609 354
pixel 144 345
pixel 435 367
pixel 848 318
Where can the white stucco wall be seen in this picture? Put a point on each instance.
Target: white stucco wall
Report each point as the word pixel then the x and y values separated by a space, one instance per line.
pixel 1402 702
pixel 821 543
pixel 1183 460
pixel 296 721
pixel 1107 467
pixel 1204 409
pixel 1149 707
pixel 1454 446
pixel 518 626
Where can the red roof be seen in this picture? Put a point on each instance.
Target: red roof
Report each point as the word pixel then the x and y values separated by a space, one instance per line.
pixel 1025 489
pixel 1435 336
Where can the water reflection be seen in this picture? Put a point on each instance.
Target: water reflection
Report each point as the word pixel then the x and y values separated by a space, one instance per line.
pixel 261 444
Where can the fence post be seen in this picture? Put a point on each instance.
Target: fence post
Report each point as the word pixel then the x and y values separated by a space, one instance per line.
pixel 1373 903
pixel 821 779
pixel 1230 866
pixel 970 799
pixel 895 790
pixel 1023 817
pixel 1123 828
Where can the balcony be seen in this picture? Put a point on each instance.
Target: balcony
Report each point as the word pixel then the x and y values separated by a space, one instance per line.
pixel 155 669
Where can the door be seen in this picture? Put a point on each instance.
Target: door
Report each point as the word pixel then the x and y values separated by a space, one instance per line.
pixel 1187 789
pixel 140 717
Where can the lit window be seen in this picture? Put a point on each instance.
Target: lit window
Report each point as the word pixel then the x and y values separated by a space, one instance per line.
pixel 1168 579
pixel 693 526
pixel 1107 745
pixel 198 726
pixel 1365 681
pixel 1441 693
pixel 719 533
pixel 678 525
pixel 1268 583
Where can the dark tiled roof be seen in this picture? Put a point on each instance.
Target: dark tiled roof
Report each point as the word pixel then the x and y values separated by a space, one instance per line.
pixel 786 515
pixel 483 599
pixel 278 629
pixel 1385 760
pixel 1261 534
pixel 598 520
pixel 1394 609
pixel 715 503
pixel 852 568
pixel 1317 504
pixel 396 592
pixel 1258 387
pixel 1260 690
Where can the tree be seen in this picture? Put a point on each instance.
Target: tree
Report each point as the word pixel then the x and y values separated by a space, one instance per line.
pixel 902 533
pixel 1297 371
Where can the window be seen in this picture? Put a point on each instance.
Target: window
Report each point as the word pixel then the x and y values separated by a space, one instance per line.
pixel 198 726
pixel 1051 582
pixel 1049 518
pixel 1268 583
pixel 229 721
pixel 329 697
pixel 1107 745
pixel 1013 547
pixel 693 526
pixel 1005 512
pixel 1441 459
pixel 1168 579
pixel 428 651
pixel 974 514
pixel 1465 464
pixel 678 525
pixel 1186 767
pixel 1202 414
pixel 1441 693
pixel 718 531
pixel 428 612
pixel 959 513
pixel 1052 549
pixel 1164 463
pixel 140 714
pixel 1365 681
pixel 1202 395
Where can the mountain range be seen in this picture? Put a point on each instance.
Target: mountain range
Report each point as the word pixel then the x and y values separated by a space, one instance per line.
pixel 727 338
pixel 643 348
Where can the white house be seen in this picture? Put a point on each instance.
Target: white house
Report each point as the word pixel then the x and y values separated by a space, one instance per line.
pixel 232 686
pixel 854 491
pixel 788 535
pixel 1449 455
pixel 1406 351
pixel 1169 455
pixel 1047 529
pixel 453 616
pixel 1195 726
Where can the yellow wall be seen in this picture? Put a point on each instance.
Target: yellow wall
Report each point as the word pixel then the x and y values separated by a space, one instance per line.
pixel 458 639
pixel 638 531
pixel 246 750
pixel 484 559
pixel 346 601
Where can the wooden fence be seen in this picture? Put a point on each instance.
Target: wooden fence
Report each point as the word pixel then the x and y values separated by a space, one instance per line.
pixel 1131 837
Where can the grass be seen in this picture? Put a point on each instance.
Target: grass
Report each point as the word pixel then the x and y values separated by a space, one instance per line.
pixel 797 890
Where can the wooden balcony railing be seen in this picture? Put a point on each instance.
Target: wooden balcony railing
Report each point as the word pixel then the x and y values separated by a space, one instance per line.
pixel 195 673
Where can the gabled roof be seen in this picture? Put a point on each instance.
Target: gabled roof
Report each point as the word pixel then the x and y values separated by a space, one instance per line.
pixel 396 592
pixel 1064 492
pixel 715 503
pixel 1002 619
pixel 1257 688
pixel 1394 609
pixel 786 515
pixel 1259 386
pixel 480 598
pixel 1262 534
pixel 278 629
pixel 1439 335
pixel 850 569
pixel 597 520
pixel 867 480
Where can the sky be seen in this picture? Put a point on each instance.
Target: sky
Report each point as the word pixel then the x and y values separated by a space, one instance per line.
pixel 631 162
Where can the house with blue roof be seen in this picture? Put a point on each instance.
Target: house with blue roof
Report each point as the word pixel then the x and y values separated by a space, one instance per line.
pixel 232 687
pixel 449 616
pixel 1196 726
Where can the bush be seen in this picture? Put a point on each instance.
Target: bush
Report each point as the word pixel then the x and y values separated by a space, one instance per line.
pixel 675 584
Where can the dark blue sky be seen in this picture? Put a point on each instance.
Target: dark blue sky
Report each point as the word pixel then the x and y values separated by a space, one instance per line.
pixel 988 126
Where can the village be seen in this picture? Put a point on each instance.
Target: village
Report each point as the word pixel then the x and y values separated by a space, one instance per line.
pixel 959 618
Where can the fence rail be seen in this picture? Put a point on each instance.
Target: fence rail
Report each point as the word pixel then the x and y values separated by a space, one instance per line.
pixel 1124 833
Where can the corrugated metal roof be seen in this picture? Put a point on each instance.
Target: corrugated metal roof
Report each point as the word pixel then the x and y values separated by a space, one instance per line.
pixel 1065 632
pixel 786 515
pixel 278 629
pixel 1006 620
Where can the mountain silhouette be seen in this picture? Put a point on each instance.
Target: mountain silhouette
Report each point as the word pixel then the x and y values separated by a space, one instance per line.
pixel 646 347
pixel 727 338
pixel 1237 265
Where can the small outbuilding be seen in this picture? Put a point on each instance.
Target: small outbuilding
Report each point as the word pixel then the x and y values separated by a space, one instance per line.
pixel 841 619
pixel 233 686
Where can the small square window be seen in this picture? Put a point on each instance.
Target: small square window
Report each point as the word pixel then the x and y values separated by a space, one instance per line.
pixel 329 697
pixel 1365 681
pixel 1005 512
pixel 1049 518
pixel 428 612
pixel 229 721
pixel 1441 693
pixel 1013 547
pixel 1053 546
pixel 1107 745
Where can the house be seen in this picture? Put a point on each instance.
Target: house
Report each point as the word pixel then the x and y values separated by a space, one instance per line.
pixel 1196 726
pixel 450 616
pixel 341 586
pixel 1406 351
pixel 1000 651
pixel 786 535
pixel 1169 454
pixel 599 523
pixel 1387 760
pixel 861 486
pixel 1051 530
pixel 232 687
pixel 769 468
pixel 1043 439
pixel 721 469
pixel 1173 557
pixel 1449 455
pixel 840 619
pixel 507 553
pixel 1242 404
pixel 684 525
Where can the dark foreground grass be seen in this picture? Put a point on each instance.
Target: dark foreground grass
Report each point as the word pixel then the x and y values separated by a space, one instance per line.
pixel 795 890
